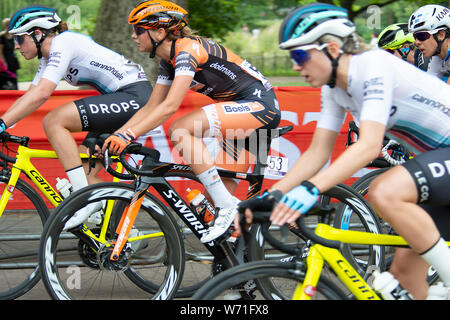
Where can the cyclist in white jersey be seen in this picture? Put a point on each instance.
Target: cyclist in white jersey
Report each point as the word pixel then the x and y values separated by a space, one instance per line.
pixel 382 93
pixel 122 84
pixel 430 25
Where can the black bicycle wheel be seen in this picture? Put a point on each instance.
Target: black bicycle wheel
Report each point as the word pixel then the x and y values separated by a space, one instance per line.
pixel 357 215
pixel 339 196
pixel 21 225
pixel 73 269
pixel 239 281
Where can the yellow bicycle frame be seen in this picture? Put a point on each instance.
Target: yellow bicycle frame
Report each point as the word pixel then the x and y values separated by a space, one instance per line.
pixel 319 254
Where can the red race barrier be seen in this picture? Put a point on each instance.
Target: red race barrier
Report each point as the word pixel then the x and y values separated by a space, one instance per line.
pixel 300 107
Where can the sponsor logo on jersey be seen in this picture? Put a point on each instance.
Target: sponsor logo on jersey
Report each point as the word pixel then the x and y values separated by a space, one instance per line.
pixel 111 69
pixel 242 108
pixel 432 103
pixel 224 70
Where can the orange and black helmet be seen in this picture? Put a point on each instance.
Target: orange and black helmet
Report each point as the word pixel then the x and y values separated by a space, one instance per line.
pixel 158 14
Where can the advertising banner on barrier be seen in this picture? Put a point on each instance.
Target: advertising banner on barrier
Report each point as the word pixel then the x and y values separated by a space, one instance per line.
pixel 300 107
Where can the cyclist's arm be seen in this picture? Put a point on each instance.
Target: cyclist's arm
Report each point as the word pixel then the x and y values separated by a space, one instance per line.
pixel 354 158
pixel 310 162
pixel 150 117
pixel 29 102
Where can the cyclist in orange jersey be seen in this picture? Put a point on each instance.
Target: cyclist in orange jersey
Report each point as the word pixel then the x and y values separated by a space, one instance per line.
pixel 245 101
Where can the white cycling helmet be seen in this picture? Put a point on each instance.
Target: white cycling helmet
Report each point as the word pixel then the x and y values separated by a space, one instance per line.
pixel 431 18
pixel 31 17
pixel 303 27
pixel 309 23
pixel 27 19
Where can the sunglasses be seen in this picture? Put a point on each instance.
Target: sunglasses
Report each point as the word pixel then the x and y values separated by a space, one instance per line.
pixel 19 39
pixel 139 30
pixel 425 35
pixel 299 56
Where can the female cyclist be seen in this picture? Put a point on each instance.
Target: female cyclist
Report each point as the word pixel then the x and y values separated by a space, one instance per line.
pixel 382 93
pixel 245 100
pixel 123 86
pixel 430 25
pixel 396 39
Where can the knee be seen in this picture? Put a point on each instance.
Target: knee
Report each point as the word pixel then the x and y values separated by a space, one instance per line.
pixel 49 121
pixel 379 193
pixel 178 130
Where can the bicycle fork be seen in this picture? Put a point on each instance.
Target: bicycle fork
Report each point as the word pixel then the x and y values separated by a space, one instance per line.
pixel 9 188
pixel 127 220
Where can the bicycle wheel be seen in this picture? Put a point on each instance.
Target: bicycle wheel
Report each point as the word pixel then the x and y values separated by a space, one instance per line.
pixel 354 213
pixel 338 196
pixel 73 268
pixel 21 226
pixel 239 279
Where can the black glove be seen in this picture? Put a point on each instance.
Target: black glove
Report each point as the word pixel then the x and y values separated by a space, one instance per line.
pixel 264 202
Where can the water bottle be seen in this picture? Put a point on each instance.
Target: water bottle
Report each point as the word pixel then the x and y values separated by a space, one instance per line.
pixel 64 187
pixel 389 287
pixel 201 205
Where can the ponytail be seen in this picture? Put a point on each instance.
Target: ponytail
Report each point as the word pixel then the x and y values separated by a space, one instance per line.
pixel 62 27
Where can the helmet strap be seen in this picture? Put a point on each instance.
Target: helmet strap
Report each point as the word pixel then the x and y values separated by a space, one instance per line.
pixel 38 43
pixel 439 44
pixel 155 44
pixel 334 66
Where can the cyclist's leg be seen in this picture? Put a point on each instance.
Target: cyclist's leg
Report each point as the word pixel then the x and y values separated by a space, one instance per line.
pixel 58 125
pixel 394 197
pixel 410 270
pixel 186 133
pixel 227 121
pixel 427 184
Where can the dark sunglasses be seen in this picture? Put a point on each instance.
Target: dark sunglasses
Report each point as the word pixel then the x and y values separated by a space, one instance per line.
pixel 422 35
pixel 300 56
pixel 19 39
pixel 139 30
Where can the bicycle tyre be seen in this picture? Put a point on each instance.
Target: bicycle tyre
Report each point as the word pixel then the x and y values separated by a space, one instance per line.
pixel 346 196
pixel 233 278
pixel 166 253
pixel 30 225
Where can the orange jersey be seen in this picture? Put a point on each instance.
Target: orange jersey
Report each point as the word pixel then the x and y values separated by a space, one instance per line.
pixel 217 72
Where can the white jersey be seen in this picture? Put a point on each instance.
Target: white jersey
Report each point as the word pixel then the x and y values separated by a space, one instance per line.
pixel 412 104
pixel 81 61
pixel 440 67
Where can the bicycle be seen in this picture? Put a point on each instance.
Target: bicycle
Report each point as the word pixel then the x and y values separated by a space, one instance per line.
pixel 303 277
pixel 358 216
pixel 111 251
pixel 22 215
pixel 392 153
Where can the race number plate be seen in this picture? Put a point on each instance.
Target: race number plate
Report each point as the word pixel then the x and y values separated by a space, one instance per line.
pixel 276 165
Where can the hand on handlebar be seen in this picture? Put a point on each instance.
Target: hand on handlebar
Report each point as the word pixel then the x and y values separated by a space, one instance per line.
pixel 118 141
pixel 2 125
pixel 264 202
pixel 295 203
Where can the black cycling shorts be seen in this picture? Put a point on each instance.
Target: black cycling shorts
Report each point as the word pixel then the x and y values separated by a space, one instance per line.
pixel 431 174
pixel 108 112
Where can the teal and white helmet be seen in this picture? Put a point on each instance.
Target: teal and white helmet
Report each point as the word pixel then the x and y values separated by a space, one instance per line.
pixel 309 23
pixel 32 17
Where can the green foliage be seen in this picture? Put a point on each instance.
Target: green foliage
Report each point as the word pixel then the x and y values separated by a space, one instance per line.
pixel 213 18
